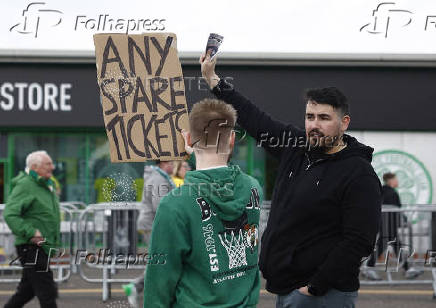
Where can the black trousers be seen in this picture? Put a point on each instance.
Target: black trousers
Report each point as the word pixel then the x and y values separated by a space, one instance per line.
pixel 388 232
pixel 36 280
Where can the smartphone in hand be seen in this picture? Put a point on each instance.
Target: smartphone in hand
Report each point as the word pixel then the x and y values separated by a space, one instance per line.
pixel 213 43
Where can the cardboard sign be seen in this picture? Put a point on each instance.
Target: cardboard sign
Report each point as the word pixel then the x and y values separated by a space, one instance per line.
pixel 142 95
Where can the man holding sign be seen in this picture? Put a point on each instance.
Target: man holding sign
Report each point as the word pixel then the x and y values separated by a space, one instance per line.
pixel 207 229
pixel 325 209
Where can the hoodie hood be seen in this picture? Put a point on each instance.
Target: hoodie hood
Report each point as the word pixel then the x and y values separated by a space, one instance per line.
pixel 226 188
pixel 355 148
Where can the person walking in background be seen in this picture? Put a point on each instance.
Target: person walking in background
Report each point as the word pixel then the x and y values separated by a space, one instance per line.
pixel 388 233
pixel 157 183
pixel 32 213
pixel 180 169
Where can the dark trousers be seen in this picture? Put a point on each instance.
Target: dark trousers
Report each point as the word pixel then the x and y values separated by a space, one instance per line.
pixel 36 280
pixel 388 233
pixel 332 299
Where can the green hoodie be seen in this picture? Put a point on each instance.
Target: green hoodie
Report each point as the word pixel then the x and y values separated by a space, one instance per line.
pixel 32 205
pixel 204 243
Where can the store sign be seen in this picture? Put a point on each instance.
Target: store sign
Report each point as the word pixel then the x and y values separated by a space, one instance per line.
pixel 34 96
pixel 49 95
pixel 143 95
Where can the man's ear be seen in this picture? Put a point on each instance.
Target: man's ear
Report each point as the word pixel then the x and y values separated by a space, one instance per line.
pixel 345 122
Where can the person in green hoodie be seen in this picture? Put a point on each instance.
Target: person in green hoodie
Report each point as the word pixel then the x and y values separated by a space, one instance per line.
pixel 205 237
pixel 32 213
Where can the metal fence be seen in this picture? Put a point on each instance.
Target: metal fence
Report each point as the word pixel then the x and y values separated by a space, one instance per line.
pixel 405 244
pixel 108 231
pixel 60 263
pixel 94 235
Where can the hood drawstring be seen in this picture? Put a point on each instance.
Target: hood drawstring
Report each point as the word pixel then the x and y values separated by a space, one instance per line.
pixel 295 169
pixel 323 172
pixel 324 167
pixel 353 148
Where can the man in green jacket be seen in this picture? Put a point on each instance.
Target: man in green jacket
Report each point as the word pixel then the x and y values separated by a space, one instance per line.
pixel 204 241
pixel 32 213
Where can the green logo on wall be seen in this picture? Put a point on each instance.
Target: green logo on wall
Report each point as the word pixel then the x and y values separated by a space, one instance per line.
pixel 415 185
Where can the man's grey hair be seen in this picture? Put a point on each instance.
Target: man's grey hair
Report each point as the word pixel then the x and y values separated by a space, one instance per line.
pixel 34 158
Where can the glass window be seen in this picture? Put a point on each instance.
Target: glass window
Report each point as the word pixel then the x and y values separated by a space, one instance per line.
pixel 85 173
pixel 3 145
pixel 2 182
pixel 112 181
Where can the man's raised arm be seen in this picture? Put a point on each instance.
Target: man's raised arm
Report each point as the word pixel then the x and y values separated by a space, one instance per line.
pixel 258 124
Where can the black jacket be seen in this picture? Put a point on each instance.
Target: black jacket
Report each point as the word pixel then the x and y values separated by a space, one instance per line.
pixel 390 196
pixel 325 209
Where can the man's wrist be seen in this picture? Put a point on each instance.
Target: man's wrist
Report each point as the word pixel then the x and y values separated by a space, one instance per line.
pixel 221 88
pixel 212 81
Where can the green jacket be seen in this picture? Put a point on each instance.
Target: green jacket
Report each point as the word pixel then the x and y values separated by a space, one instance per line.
pixel 33 205
pixel 204 243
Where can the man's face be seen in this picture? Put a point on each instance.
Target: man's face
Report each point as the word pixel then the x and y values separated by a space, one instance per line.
pixel 183 169
pixel 167 166
pixel 324 126
pixel 45 168
pixel 393 182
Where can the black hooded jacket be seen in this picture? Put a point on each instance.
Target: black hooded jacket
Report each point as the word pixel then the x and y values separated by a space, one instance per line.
pixel 325 209
pixel 390 196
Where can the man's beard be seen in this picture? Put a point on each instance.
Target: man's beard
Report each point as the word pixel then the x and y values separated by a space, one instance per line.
pixel 317 141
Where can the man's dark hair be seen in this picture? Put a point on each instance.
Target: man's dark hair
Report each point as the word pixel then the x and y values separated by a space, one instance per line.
pixel 388 176
pixel 330 96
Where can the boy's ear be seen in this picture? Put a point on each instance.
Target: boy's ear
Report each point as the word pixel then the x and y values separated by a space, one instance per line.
pixel 186 137
pixel 188 141
pixel 232 138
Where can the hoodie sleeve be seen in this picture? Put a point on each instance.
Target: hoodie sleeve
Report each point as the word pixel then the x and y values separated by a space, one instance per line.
pixel 18 202
pixel 361 210
pixel 169 237
pixel 267 132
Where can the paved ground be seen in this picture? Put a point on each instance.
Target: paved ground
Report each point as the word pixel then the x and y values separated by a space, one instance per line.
pixel 76 293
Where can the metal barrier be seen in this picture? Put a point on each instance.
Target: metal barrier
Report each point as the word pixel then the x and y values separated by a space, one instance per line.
pixel 111 227
pixel 61 262
pixel 405 240
pixel 263 219
pixel 110 224
pixel 87 228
